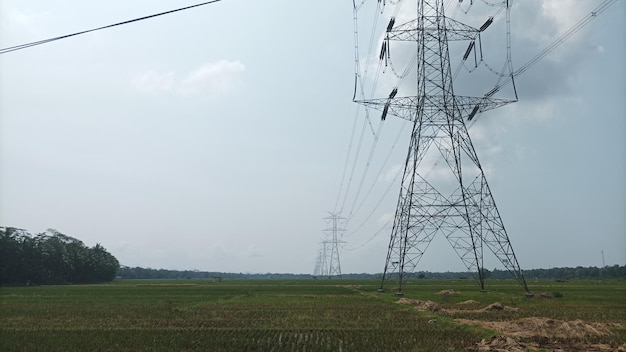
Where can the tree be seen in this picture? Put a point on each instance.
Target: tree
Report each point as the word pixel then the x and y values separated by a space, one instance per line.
pixel 104 264
pixel 52 258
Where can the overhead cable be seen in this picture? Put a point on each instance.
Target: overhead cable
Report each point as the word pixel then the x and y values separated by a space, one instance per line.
pixel 555 44
pixel 28 45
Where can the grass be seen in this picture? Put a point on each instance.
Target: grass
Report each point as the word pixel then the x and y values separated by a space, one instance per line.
pixel 275 315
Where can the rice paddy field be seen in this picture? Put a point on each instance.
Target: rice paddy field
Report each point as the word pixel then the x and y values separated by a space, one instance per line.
pixel 314 315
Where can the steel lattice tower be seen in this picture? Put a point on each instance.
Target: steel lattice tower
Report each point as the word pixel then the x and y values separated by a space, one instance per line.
pixel 459 203
pixel 334 264
pixel 321 265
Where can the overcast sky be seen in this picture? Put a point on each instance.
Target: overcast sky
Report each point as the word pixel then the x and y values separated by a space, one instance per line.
pixel 216 138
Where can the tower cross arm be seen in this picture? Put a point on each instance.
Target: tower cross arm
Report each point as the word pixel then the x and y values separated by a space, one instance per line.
pixel 410 31
pixel 407 107
pixel 402 107
pixel 470 106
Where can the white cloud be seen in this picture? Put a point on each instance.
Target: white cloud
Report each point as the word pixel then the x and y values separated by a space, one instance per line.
pixel 210 79
pixel 564 13
pixel 487 138
pixel 386 219
pixel 538 110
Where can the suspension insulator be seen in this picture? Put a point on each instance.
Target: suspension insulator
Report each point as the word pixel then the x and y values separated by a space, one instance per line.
pixel 385 110
pixel 492 92
pixel 393 93
pixel 474 111
pixel 486 24
pixel 392 21
pixel 468 51
pixel 383 50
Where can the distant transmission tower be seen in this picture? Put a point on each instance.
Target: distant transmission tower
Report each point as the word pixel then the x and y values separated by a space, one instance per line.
pixel 321 265
pixel 456 200
pixel 332 246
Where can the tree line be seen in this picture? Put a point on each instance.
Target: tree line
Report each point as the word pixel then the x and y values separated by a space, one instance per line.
pixel 54 258
pixel 127 272
pixel 579 272
pixel 607 272
pixel 51 258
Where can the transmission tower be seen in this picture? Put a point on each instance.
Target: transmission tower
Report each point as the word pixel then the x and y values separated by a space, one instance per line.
pixel 332 246
pixel 454 200
pixel 321 265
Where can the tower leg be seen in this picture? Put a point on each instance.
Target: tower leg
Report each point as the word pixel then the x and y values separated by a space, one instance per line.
pixel 468 217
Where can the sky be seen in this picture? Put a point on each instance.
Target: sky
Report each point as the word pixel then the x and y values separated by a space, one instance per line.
pixel 219 138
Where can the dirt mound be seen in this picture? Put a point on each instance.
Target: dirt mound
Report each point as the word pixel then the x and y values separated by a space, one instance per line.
pixel 583 347
pixel 501 344
pixel 548 331
pixel 463 308
pixel 497 306
pixel 420 305
pixel 449 292
pixel 542 327
pixel 468 302
pixel 507 344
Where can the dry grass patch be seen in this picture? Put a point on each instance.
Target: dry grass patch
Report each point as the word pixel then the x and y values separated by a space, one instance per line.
pixel 497 306
pixel 553 334
pixel 420 305
pixel 448 292
pixel 507 344
pixel 469 302
pixel 543 327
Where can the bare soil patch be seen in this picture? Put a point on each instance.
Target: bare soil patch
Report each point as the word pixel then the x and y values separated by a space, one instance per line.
pixel 542 327
pixel 502 344
pixel 434 307
pixel 551 332
pixel 449 292
pixel 468 303
pixel 527 334
pixel 508 344
pixel 467 307
pixel 497 306
pixel 420 305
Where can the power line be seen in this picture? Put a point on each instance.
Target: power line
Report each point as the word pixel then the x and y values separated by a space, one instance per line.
pixel 345 167
pixel 382 169
pixel 555 44
pixel 28 45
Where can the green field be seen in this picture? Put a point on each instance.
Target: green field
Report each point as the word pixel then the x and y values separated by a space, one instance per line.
pixel 304 315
